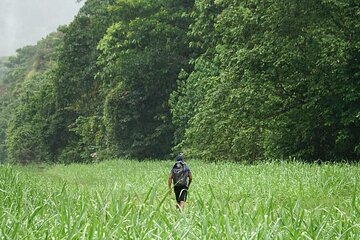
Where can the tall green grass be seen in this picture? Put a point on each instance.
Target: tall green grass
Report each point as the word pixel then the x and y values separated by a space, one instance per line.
pixel 129 200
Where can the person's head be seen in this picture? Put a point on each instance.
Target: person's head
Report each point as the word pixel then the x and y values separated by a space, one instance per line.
pixel 179 158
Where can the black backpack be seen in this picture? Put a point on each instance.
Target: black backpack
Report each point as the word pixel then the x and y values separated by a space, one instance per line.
pixel 180 174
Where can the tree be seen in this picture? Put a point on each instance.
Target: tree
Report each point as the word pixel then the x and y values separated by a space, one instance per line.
pixel 77 99
pixel 28 103
pixel 278 83
pixel 142 55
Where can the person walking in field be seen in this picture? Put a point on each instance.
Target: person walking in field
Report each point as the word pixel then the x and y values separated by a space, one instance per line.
pixel 180 176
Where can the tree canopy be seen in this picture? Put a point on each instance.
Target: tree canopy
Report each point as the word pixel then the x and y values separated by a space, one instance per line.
pixel 217 80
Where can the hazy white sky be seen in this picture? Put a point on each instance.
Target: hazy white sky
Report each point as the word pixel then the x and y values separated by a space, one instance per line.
pixel 24 22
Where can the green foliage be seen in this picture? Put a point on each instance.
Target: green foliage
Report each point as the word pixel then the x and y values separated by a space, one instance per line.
pixel 216 79
pixel 77 90
pixel 91 141
pixel 285 81
pixel 29 134
pixel 3 71
pixel 3 115
pixel 142 55
pixel 3 126
pixel 113 200
pixel 29 103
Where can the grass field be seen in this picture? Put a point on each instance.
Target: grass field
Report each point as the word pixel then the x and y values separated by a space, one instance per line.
pixel 129 200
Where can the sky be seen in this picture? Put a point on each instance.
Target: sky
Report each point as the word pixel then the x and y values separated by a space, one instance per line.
pixel 24 22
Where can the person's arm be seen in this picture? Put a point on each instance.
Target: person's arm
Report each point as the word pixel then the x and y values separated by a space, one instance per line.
pixel 169 182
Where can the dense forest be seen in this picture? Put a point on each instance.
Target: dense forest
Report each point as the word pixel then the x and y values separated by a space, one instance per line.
pixel 215 79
